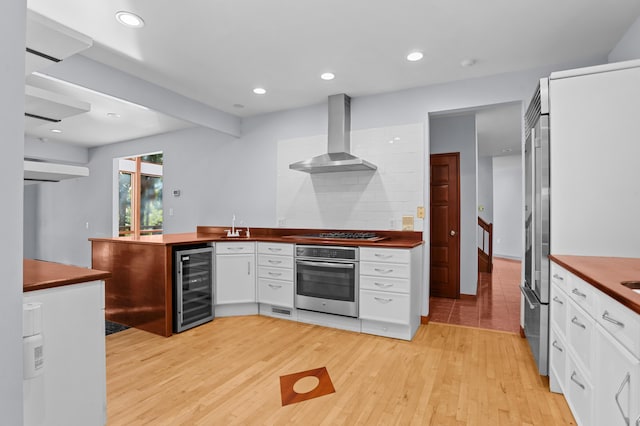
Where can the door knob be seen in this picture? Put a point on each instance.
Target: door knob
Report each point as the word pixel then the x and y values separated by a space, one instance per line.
pixel 452 233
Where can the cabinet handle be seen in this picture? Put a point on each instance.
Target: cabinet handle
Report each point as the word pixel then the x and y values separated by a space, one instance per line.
pixel 249 268
pixel 383 300
pixel 235 248
pixel 275 274
pixel 555 299
pixel 274 262
pixel 557 346
pixel 382 285
pixel 574 380
pixel 383 271
pixel 558 277
pixel 627 379
pixel 274 249
pixel 578 293
pixel 578 323
pixel 383 256
pixel 273 286
pixel 606 317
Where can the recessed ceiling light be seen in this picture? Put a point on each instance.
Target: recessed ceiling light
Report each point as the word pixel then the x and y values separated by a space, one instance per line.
pixel 414 56
pixel 56 131
pixel 113 115
pixel 129 19
pixel 468 62
pixel 328 76
pixel 259 91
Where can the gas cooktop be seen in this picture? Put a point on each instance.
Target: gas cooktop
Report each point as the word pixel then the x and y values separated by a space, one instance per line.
pixel 361 236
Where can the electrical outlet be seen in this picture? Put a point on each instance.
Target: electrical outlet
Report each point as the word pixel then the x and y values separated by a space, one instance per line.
pixel 407 223
pixel 282 222
pixel 420 212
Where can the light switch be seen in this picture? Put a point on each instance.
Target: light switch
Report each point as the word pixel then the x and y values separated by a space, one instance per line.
pixel 420 213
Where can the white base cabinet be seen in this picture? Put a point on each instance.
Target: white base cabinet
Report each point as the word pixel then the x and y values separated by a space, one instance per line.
pixel 235 273
pixel 72 387
pixel 594 352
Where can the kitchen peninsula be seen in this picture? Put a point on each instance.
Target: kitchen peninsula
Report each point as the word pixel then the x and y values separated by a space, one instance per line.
pixel 140 291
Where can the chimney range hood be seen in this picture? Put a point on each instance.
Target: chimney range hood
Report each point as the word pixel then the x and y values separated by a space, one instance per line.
pixel 338 158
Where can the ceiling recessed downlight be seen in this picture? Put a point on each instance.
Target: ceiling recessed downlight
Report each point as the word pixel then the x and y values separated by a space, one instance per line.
pixel 129 19
pixel 468 62
pixel 259 91
pixel 113 115
pixel 327 76
pixel 414 56
pixel 56 131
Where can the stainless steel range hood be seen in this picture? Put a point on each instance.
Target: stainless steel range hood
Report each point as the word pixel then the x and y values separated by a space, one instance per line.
pixel 338 158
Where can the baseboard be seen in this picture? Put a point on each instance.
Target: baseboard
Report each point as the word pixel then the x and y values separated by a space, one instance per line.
pixel 468 297
pixel 425 320
pixel 507 257
pixel 522 333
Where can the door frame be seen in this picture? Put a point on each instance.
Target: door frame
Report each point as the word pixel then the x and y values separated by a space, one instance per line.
pixel 456 155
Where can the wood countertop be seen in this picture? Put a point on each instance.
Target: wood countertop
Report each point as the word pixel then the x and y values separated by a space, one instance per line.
pixel 205 234
pixel 606 274
pixel 39 275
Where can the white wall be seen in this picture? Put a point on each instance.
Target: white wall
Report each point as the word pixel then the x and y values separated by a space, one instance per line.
pixel 458 134
pixel 507 206
pixel 629 45
pixel 485 188
pixel 354 200
pixel 30 225
pixel 12 42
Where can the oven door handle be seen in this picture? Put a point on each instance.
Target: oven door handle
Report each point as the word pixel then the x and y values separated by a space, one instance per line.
pixel 326 264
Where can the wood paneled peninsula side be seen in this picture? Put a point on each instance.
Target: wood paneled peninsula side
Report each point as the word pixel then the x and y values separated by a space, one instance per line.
pixel 140 293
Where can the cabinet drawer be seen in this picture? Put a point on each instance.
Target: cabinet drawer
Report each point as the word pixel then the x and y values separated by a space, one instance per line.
pixel 558 356
pixel 386 307
pixel 580 335
pixel 559 306
pixel 276 248
pixel 275 261
pixel 620 321
pixel 275 273
pixel 560 276
pixel 397 331
pixel 582 293
pixel 398 285
pixel 277 293
pixel 393 270
pixel 579 393
pixel 384 255
pixel 235 248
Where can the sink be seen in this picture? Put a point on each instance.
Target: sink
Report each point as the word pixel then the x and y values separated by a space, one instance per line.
pixel 633 285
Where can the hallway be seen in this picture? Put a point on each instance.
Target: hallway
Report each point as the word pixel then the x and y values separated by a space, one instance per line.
pixel 497 306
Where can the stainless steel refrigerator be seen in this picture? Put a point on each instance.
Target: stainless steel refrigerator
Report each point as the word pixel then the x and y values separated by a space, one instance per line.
pixel 535 287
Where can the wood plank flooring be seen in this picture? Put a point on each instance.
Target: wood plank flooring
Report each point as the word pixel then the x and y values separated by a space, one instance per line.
pixel 227 372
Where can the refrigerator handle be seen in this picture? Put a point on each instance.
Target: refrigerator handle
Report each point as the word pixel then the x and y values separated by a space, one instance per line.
pixel 526 296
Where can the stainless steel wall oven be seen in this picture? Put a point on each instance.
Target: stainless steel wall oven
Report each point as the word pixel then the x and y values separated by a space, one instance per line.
pixel 327 279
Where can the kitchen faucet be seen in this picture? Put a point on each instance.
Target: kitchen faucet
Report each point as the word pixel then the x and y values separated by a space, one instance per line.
pixel 233 232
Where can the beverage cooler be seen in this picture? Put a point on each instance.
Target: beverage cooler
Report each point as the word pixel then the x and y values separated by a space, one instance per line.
pixel 192 286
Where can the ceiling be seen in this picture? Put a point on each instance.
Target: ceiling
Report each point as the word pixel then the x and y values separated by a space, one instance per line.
pixel 216 52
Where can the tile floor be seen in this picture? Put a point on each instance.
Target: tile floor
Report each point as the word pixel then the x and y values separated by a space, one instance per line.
pixel 497 306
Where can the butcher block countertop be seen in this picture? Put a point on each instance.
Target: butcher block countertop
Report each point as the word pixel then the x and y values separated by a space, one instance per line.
pixel 606 274
pixel 39 275
pixel 204 234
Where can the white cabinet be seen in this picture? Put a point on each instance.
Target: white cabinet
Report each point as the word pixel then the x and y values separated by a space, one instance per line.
pixel 390 282
pixel 275 275
pixel 235 273
pixel 72 387
pixel 594 352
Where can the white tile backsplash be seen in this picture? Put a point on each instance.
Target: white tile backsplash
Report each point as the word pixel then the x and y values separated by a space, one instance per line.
pixel 355 200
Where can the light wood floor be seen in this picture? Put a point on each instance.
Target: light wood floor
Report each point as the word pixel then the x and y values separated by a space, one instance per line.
pixel 227 372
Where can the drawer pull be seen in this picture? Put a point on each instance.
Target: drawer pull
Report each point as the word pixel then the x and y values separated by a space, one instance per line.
pixel 274 274
pixel 383 271
pixel 627 380
pixel 578 293
pixel 574 380
pixel 557 346
pixel 383 256
pixel 382 285
pixel 578 323
pixel 274 262
pixel 555 299
pixel 274 249
pixel 275 287
pixel 383 300
pixel 558 277
pixel 606 317
pixel 235 248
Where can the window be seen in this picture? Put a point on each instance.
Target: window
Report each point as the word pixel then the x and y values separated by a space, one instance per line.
pixel 140 195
